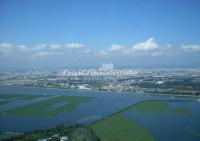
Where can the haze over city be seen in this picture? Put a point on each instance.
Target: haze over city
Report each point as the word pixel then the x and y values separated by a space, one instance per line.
pixel 63 34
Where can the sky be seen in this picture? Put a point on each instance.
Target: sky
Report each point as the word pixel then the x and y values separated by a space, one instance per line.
pixel 47 34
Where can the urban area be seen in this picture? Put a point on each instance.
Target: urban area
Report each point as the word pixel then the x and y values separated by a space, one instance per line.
pixel 183 81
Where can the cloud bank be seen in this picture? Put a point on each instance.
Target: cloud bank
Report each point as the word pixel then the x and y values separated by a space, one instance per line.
pixel 147 53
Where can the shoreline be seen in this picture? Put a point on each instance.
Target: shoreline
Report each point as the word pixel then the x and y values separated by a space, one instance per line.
pixel 112 92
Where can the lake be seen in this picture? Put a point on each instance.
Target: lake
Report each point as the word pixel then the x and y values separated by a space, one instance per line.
pixel 166 126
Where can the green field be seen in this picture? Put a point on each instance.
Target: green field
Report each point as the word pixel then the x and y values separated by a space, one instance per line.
pixel 117 128
pixel 151 107
pixel 159 108
pixel 180 111
pixel 50 107
pixel 5 98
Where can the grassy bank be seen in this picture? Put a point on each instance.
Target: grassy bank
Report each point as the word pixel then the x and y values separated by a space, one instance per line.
pixel 117 128
pixel 50 107
pixel 151 107
pixel 180 111
pixel 5 98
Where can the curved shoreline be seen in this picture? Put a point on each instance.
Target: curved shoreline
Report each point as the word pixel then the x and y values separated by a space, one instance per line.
pixel 112 92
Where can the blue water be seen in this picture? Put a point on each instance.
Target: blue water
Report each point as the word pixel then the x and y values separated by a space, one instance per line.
pixel 102 104
pixel 166 127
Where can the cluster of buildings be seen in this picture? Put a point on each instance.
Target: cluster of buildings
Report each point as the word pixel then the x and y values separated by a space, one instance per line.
pixel 106 78
pixel 105 70
pixel 55 137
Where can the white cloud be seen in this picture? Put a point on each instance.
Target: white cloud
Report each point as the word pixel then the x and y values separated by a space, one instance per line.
pixel 138 48
pixel 37 50
pixel 5 48
pixel 190 48
pixel 5 45
pixel 22 47
pixel 114 49
pixel 146 48
pixel 74 45
pixel 150 44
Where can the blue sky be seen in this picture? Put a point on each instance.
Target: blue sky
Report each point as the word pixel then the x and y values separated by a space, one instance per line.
pixel 101 30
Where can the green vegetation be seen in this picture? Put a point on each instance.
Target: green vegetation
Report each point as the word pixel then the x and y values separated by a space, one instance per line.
pixel 50 107
pixel 83 134
pixel 180 111
pixel 186 91
pixel 73 133
pixel 6 135
pixel 5 98
pixel 117 128
pixel 151 107
pixel 158 107
pixel 2 101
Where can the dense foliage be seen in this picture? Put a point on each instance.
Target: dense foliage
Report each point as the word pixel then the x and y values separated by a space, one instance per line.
pixel 74 133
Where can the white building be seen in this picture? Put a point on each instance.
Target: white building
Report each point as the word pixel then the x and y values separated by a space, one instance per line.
pixel 106 67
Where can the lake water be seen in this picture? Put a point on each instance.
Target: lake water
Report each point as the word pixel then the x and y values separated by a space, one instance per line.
pixel 168 126
pixel 102 104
